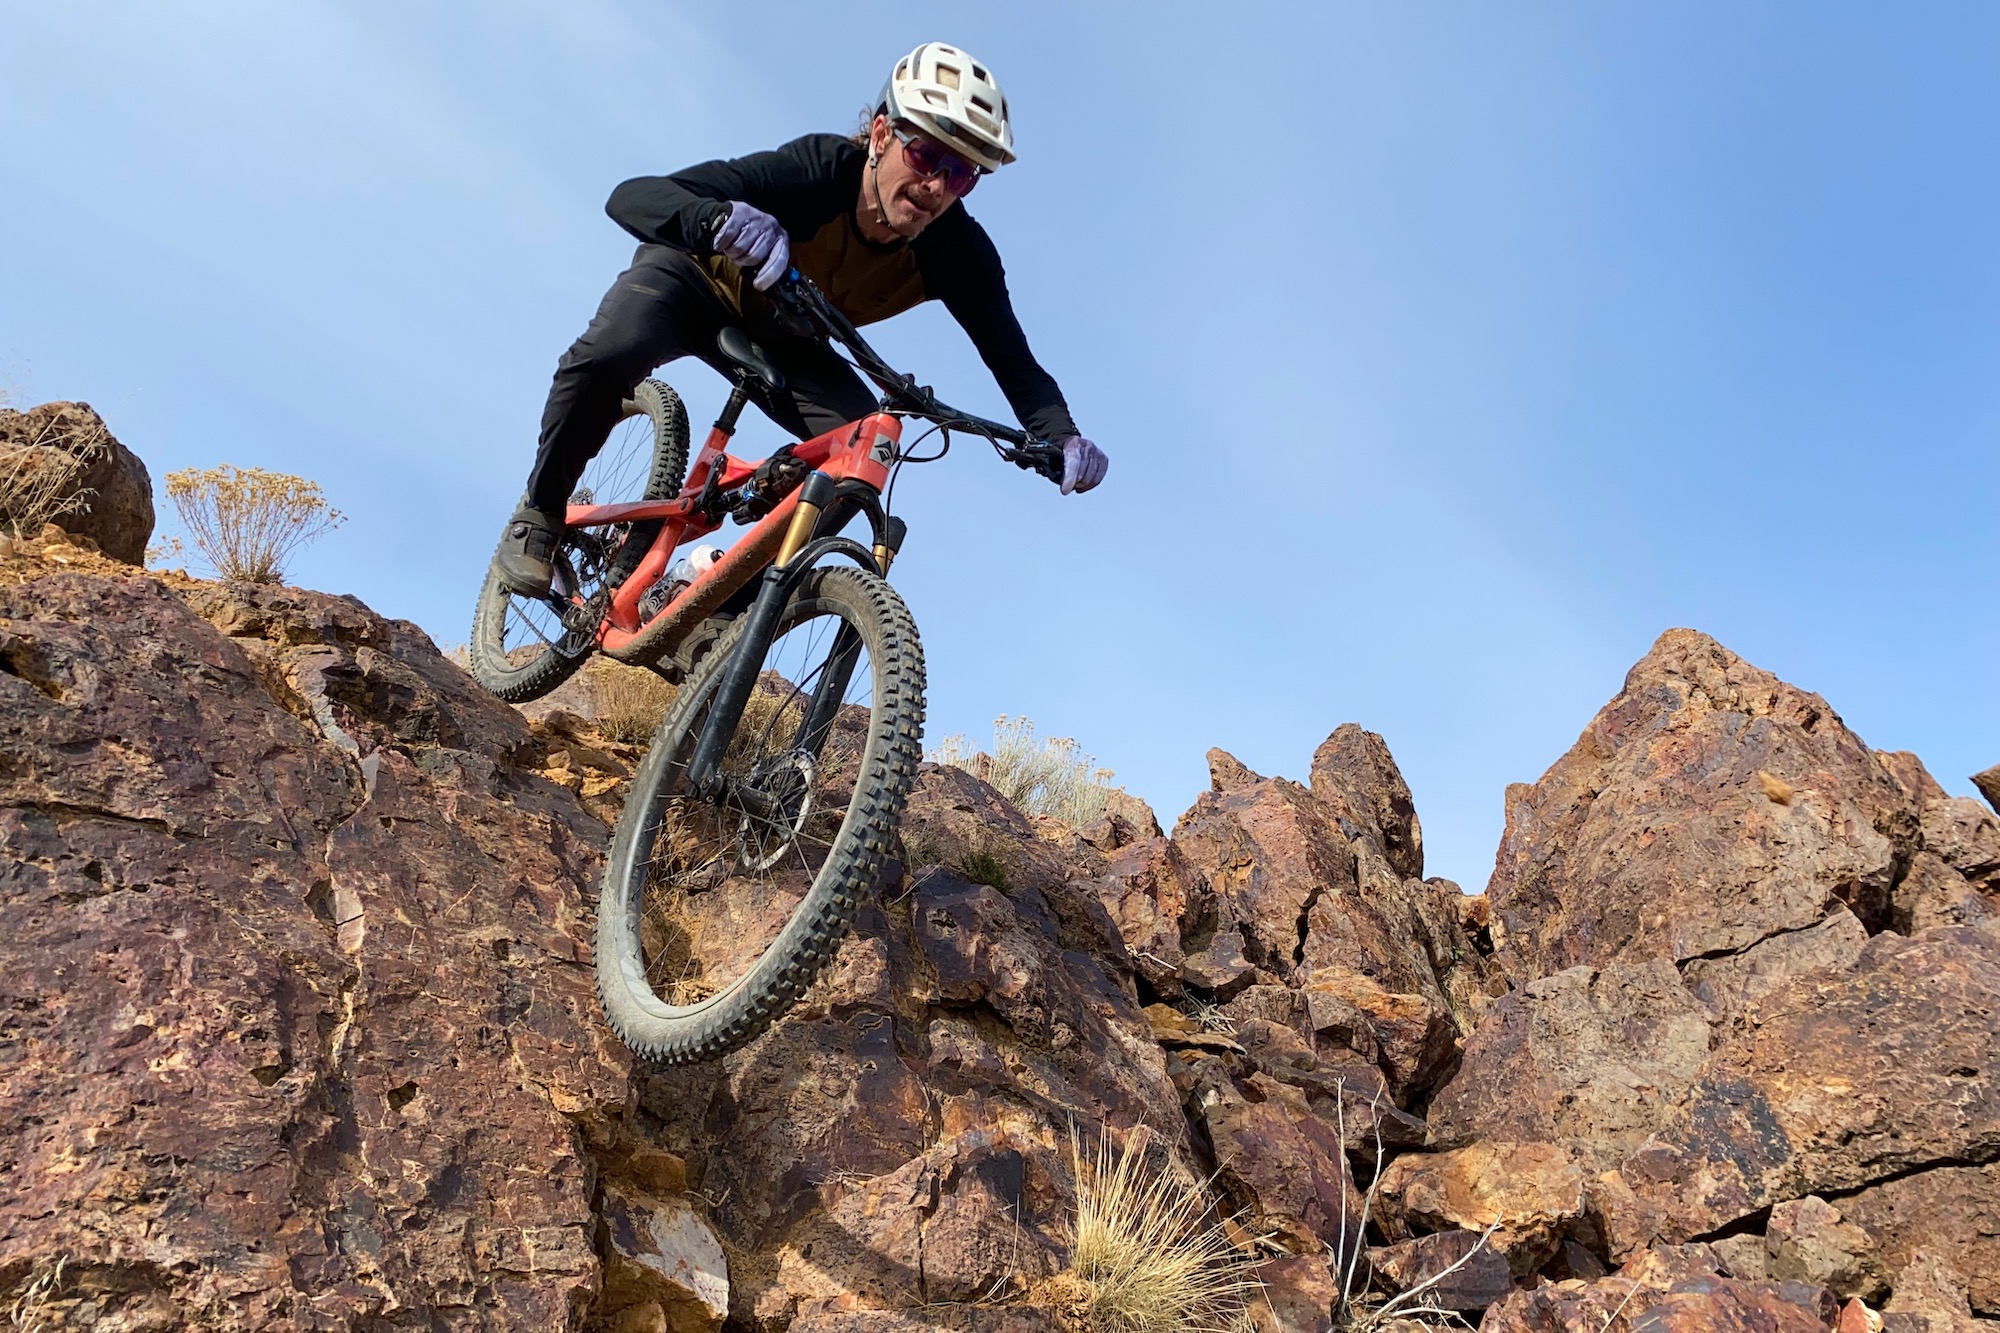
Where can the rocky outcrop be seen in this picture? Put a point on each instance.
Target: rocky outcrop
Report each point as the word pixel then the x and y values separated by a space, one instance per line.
pixel 295 1034
pixel 297 1028
pixel 117 493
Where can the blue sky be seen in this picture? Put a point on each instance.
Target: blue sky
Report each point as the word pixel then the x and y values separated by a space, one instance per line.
pixel 1445 354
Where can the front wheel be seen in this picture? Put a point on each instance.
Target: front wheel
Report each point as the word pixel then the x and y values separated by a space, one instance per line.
pixel 717 914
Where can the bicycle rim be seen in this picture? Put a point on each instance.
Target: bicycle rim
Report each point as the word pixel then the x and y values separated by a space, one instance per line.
pixel 716 915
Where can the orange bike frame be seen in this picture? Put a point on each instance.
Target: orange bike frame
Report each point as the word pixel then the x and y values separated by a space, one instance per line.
pixel 860 450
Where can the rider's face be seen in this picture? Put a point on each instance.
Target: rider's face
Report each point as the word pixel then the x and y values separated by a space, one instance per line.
pixel 910 200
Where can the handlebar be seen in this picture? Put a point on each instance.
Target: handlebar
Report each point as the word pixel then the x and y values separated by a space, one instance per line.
pixel 800 299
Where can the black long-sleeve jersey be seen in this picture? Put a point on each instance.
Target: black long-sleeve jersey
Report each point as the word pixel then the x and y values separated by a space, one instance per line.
pixel 811 186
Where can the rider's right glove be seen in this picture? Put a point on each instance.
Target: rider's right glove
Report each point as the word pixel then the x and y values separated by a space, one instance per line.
pixel 1084 464
pixel 751 238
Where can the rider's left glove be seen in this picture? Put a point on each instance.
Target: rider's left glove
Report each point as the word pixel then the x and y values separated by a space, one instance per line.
pixel 1084 464
pixel 752 238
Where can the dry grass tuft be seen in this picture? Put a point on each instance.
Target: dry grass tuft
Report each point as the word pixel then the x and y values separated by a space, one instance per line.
pixel 30 1312
pixel 1051 776
pixel 1145 1260
pixel 247 522
pixel 629 701
pixel 38 478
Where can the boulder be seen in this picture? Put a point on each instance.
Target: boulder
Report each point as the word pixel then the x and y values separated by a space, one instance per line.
pixel 263 995
pixel 1707 807
pixel 1287 1166
pixel 118 491
pixel 1526 1192
pixel 1588 1059
pixel 1296 1294
pixel 1830 1084
pixel 1929 1298
pixel 1808 1240
pixel 1728 982
pixel 1455 1270
pixel 1356 777
pixel 1951 1212
pixel 1680 1289
pixel 663 1266
pixel 1988 782
pixel 1318 911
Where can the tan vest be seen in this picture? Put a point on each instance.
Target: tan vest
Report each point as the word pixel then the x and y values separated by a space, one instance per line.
pixel 865 282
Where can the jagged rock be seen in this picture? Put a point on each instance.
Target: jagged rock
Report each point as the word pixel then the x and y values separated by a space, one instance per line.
pixel 119 518
pixel 902 1136
pixel 1829 1084
pixel 663 1267
pixel 1479 1279
pixel 264 1067
pixel 1528 1191
pixel 1296 1294
pixel 1220 968
pixel 1355 775
pixel 1287 1165
pixel 1933 894
pixel 1807 1240
pixel 931 1319
pixel 1148 889
pixel 1950 1211
pixel 1929 1298
pixel 1729 982
pixel 1591 1060
pixel 1708 806
pixel 1680 1289
pixel 1988 782
pixel 1317 911
pixel 1963 833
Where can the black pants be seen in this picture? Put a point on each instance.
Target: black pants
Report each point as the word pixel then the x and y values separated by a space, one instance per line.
pixel 660 309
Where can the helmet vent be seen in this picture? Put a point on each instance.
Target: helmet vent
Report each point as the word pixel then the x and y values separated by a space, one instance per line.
pixel 903 69
pixel 935 98
pixel 987 123
pixel 980 75
pixel 947 76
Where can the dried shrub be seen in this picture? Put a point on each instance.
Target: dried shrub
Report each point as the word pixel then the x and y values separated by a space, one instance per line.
pixel 1145 1259
pixel 1050 776
pixel 629 701
pixel 38 477
pixel 247 522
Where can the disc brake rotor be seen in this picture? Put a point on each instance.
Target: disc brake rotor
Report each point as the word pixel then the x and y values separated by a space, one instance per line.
pixel 777 803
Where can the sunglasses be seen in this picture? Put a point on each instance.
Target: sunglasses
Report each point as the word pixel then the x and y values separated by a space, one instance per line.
pixel 933 159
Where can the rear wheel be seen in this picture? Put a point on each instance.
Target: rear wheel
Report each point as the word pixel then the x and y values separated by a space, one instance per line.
pixel 716 915
pixel 522 647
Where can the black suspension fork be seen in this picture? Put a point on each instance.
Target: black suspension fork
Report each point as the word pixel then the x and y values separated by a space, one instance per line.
pixel 840 662
pixel 760 626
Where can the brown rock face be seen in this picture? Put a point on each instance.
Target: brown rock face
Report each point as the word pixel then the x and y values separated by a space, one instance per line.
pixel 1988 782
pixel 1354 774
pixel 120 514
pixel 1685 1289
pixel 1829 1084
pixel 1454 1268
pixel 1586 1059
pixel 262 1063
pixel 1952 1212
pixel 1708 807
pixel 1526 1192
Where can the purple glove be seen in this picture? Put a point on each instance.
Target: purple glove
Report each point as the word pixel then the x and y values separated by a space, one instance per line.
pixel 750 237
pixel 1084 464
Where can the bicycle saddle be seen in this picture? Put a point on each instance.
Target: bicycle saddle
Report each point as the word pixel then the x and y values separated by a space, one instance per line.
pixel 735 345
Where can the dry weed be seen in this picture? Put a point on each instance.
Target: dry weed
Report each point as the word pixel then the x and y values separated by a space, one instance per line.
pixel 629 701
pixel 1051 776
pixel 247 522
pixel 38 478
pixel 1145 1260
pixel 30 1312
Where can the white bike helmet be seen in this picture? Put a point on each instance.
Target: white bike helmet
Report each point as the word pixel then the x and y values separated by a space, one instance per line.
pixel 954 98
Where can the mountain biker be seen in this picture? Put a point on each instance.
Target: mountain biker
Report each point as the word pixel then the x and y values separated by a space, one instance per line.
pixel 878 221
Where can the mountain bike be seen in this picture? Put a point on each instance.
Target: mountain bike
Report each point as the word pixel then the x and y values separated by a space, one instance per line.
pixel 769 796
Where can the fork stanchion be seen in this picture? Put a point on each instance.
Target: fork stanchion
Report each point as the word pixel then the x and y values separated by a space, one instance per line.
pixel 813 497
